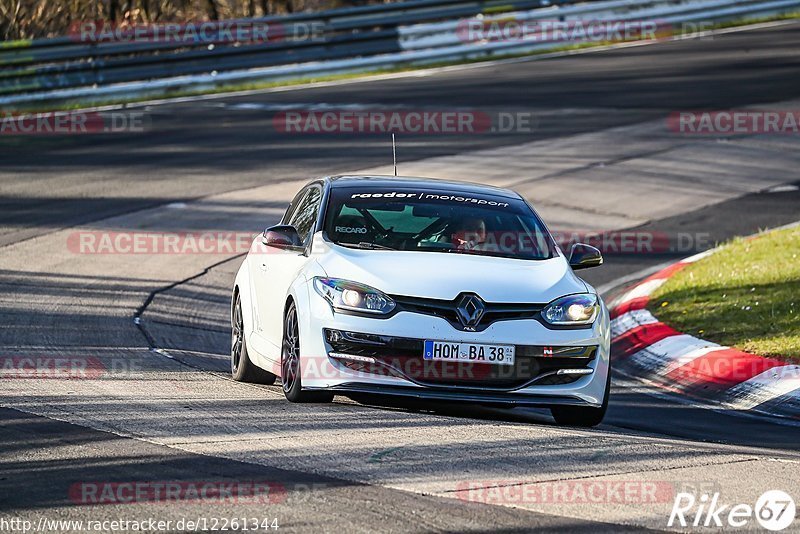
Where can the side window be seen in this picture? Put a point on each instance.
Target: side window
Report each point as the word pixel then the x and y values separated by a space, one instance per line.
pixel 293 206
pixel 305 215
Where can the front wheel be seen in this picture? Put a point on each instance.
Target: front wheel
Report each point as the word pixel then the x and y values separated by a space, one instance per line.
pixel 582 415
pixel 242 369
pixel 290 363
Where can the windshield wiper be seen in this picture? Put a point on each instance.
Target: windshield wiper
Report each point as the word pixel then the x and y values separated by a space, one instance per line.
pixel 367 246
pixel 476 252
pixel 441 249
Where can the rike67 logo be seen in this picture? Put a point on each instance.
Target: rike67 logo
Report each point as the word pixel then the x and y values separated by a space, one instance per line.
pixel 774 510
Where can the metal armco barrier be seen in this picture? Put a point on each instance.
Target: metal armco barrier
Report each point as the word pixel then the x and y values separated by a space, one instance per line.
pixel 349 40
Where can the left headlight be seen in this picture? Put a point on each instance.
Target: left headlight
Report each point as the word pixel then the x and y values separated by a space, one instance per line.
pixel 352 296
pixel 572 310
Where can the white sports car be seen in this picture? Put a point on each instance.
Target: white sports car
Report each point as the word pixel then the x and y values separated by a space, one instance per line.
pixel 413 287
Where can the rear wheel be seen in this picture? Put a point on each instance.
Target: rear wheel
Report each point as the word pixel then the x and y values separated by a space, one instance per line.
pixel 290 363
pixel 582 415
pixel 242 369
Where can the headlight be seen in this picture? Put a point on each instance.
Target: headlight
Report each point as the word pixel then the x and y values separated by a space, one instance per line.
pixel 572 310
pixel 352 296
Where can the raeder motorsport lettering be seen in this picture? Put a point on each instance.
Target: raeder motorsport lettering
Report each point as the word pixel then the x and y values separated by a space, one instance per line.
pixel 432 196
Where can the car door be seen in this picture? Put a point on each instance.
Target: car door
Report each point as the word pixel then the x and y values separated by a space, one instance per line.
pixel 274 270
pixel 259 290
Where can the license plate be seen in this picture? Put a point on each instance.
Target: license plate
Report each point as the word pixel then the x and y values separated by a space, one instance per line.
pixel 469 352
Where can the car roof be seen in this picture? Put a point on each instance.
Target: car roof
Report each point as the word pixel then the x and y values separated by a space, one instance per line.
pixel 415 182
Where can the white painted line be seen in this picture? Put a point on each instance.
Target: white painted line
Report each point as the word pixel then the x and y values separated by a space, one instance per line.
pixel 786 226
pixel 642 290
pixel 673 352
pixel 699 256
pixel 764 387
pixel 629 321
pixel 782 188
pixel 638 275
pixel 689 357
pixel 306 106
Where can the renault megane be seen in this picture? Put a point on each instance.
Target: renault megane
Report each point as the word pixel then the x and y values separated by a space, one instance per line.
pixel 415 287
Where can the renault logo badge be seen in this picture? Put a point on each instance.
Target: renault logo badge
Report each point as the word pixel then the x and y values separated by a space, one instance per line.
pixel 470 310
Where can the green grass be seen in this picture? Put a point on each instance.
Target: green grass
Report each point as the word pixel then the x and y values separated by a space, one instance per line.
pixel 747 295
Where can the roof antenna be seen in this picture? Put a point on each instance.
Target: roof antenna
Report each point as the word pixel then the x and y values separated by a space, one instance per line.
pixel 394 155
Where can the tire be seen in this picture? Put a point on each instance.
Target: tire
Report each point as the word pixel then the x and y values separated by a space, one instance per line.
pixel 291 377
pixel 242 369
pixel 581 415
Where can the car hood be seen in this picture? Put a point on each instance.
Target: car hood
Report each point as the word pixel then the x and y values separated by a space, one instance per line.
pixel 443 276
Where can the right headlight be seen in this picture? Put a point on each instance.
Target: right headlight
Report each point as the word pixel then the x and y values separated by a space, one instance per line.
pixel 572 310
pixel 352 296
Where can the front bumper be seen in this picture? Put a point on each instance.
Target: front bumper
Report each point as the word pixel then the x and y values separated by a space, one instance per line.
pixel 434 394
pixel 328 364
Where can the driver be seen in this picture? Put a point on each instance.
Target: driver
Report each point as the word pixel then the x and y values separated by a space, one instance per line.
pixel 471 234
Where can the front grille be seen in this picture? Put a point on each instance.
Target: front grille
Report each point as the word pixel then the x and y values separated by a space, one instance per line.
pixel 402 357
pixel 448 310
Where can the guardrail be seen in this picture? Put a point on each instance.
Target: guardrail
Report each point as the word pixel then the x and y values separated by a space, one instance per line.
pixel 348 40
pixel 335 29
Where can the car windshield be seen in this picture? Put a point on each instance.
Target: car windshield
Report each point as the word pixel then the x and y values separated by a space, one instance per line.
pixel 436 221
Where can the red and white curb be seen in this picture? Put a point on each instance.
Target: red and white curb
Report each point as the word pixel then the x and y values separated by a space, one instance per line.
pixel 644 347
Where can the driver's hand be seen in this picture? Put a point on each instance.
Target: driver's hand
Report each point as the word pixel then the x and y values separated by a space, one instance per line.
pixel 466 245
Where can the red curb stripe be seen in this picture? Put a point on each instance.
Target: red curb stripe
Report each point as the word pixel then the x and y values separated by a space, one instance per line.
pixel 640 337
pixel 666 272
pixel 706 377
pixel 639 303
pixel 722 368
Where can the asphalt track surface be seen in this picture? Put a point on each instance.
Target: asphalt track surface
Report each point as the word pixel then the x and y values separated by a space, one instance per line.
pixel 208 147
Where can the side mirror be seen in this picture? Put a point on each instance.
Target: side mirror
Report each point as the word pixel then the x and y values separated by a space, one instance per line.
pixel 584 256
pixel 281 236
